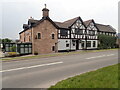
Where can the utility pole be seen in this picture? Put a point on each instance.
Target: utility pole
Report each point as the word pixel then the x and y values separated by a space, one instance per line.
pixel 86 39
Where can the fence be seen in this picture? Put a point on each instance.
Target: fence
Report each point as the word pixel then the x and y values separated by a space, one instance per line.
pixel 21 48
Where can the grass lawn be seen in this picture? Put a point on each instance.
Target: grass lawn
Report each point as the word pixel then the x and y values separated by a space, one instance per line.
pixel 53 54
pixel 106 77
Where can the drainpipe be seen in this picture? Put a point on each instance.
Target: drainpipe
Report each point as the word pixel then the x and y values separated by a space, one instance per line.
pixel 32 40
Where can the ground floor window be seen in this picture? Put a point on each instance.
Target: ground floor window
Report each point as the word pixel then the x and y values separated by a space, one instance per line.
pixel 67 45
pixel 88 43
pixel 82 43
pixel 73 44
pixel 94 44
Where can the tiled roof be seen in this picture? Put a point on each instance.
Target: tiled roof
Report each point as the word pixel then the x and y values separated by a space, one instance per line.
pixel 87 22
pixel 66 24
pixel 33 21
pixel 105 28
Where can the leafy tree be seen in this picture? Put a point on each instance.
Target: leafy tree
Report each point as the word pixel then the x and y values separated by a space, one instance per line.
pixel 106 41
pixel 6 40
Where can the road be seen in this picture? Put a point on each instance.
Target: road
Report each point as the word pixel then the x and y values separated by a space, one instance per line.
pixel 44 72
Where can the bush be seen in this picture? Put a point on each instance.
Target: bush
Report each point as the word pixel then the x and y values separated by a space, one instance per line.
pixel 11 54
pixel 106 42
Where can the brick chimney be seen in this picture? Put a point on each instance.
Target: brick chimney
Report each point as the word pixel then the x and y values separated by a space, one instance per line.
pixel 45 12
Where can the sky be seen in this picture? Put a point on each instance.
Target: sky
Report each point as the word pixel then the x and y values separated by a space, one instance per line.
pixel 15 13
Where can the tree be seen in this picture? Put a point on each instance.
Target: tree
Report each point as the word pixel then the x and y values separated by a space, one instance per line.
pixel 106 41
pixel 6 40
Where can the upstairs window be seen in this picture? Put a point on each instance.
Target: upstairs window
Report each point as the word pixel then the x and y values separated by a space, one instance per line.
pixel 78 31
pixel 92 33
pixel 29 38
pixel 39 36
pixel 53 36
pixel 63 32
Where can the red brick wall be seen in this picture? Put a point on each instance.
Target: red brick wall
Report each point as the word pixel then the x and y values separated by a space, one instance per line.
pixel 44 45
pixel 27 35
pixel 21 37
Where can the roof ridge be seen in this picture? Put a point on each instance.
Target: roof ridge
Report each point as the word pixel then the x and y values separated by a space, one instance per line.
pixel 88 20
pixel 71 19
pixel 102 24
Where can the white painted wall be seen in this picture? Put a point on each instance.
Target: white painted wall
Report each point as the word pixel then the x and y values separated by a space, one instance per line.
pixel 62 44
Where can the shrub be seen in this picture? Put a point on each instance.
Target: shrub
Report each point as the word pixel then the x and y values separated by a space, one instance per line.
pixel 106 42
pixel 11 54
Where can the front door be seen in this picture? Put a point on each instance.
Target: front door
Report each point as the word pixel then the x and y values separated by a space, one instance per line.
pixel 77 44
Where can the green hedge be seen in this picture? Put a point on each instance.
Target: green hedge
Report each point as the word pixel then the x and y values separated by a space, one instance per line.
pixel 106 42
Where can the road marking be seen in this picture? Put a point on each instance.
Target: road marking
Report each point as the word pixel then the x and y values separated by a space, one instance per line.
pixel 31 67
pixel 100 56
pixel 111 55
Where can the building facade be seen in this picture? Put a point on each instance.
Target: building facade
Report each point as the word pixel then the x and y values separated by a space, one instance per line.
pixel 48 36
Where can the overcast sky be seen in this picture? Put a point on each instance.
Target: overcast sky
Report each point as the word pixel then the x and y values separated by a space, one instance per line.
pixel 14 13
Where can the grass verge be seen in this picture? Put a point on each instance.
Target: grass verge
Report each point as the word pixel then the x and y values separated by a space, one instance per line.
pixel 106 77
pixel 52 55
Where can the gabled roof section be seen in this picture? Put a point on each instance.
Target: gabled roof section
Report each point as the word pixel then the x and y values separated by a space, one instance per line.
pixel 67 24
pixel 60 25
pixel 45 18
pixel 34 23
pixel 105 28
pixel 88 22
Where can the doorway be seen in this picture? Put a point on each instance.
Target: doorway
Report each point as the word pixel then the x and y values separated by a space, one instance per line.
pixel 77 44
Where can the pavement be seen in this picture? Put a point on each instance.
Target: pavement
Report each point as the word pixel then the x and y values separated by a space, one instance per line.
pixel 1 54
pixel 44 72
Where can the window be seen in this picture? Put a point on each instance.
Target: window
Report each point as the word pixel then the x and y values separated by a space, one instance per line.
pixel 24 39
pixel 73 44
pixel 39 36
pixel 63 32
pixel 92 32
pixel 78 31
pixel 88 43
pixel 53 36
pixel 82 43
pixel 67 45
pixel 94 44
pixel 53 48
pixel 29 38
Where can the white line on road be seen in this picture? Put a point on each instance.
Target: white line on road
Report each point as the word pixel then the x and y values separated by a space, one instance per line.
pixel 100 56
pixel 111 55
pixel 31 67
